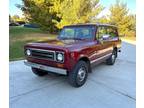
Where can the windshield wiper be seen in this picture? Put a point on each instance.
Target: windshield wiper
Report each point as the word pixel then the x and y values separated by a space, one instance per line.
pixel 63 38
pixel 79 38
pixel 66 38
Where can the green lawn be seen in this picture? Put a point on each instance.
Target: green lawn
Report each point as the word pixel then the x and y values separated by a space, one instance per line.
pixel 19 36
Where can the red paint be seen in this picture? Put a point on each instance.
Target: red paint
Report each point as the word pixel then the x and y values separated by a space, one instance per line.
pixel 74 50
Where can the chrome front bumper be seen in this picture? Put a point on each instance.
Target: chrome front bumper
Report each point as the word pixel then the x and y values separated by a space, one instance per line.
pixel 47 68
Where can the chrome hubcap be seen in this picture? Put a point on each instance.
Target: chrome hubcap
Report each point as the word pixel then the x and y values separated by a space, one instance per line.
pixel 81 74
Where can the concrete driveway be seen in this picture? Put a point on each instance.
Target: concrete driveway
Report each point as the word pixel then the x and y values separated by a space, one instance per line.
pixel 106 87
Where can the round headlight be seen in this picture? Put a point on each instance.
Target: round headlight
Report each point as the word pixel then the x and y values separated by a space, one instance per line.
pixel 28 52
pixel 60 57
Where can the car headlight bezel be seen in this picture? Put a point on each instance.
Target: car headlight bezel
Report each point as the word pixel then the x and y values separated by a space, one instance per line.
pixel 59 56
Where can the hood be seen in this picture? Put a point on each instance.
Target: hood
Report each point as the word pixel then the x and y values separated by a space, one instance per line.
pixel 61 44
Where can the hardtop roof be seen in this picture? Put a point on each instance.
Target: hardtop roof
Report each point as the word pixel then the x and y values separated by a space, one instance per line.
pixel 91 24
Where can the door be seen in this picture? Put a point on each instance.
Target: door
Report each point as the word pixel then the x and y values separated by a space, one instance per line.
pixel 103 48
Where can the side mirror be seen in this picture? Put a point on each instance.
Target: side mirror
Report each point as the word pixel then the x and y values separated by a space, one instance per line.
pixel 105 37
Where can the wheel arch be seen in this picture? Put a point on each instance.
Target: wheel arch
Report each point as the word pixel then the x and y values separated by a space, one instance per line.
pixel 86 59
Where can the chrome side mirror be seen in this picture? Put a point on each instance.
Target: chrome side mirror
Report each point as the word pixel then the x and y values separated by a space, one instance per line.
pixel 105 37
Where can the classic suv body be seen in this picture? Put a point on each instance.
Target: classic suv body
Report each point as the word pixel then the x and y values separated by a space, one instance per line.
pixel 94 50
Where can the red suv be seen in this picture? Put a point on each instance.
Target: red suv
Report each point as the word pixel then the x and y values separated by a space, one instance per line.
pixel 75 51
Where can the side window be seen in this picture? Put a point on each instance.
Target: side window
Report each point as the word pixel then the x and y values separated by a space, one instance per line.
pixel 101 32
pixel 112 32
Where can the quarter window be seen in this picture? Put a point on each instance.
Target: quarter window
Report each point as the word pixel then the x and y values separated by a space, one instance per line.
pixel 112 32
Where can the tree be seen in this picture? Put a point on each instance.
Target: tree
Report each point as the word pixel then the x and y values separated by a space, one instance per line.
pixel 40 12
pixel 132 27
pixel 78 11
pixel 103 20
pixel 54 14
pixel 120 17
pixel 15 18
pixel 10 19
pixel 132 22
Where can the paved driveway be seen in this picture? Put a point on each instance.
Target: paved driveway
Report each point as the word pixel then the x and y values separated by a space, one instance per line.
pixel 107 87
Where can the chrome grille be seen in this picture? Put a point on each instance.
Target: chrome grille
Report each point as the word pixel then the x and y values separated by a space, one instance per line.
pixel 43 54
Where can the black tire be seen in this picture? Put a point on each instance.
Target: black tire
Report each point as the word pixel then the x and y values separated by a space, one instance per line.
pixel 39 72
pixel 111 60
pixel 78 76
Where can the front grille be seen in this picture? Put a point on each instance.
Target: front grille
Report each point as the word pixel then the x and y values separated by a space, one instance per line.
pixel 43 54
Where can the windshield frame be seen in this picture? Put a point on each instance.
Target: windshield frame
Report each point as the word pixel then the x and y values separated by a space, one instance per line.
pixel 92 37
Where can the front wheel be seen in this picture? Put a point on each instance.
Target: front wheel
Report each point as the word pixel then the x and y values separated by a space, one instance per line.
pixel 78 76
pixel 111 60
pixel 39 72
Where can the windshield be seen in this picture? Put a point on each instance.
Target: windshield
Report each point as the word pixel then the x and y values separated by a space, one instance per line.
pixel 85 32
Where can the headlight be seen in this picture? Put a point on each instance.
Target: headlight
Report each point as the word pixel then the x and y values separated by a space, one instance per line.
pixel 28 52
pixel 60 57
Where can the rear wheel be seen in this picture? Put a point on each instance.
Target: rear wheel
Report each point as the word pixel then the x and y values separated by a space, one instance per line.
pixel 39 72
pixel 78 76
pixel 111 60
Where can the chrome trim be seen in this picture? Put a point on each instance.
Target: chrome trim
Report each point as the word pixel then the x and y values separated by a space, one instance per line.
pixel 101 51
pixel 41 49
pixel 35 49
pixel 100 58
pixel 63 56
pixel 47 68
pixel 55 59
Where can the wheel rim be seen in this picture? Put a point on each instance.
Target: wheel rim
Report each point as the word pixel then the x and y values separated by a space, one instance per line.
pixel 81 74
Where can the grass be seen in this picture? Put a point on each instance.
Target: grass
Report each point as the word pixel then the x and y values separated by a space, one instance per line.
pixel 19 36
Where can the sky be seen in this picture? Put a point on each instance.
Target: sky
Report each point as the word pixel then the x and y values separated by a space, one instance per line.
pixel 13 10
pixel 131 4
